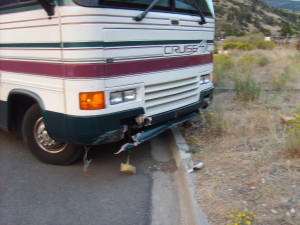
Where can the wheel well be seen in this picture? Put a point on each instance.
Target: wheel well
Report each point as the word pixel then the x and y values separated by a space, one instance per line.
pixel 18 105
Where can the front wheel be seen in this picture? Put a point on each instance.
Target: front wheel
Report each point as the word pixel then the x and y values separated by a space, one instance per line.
pixel 42 145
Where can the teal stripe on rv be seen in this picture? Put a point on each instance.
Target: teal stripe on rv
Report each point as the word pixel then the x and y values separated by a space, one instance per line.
pixel 31 45
pixel 99 44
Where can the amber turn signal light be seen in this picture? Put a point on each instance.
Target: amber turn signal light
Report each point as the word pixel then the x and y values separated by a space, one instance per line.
pixel 92 100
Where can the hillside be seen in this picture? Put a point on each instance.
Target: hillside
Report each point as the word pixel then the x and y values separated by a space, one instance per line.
pixel 241 17
pixel 287 4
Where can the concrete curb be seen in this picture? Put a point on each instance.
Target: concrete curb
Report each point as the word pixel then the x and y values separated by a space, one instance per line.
pixel 191 213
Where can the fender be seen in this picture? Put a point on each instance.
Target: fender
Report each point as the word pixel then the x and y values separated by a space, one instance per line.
pixel 27 93
pixel 7 111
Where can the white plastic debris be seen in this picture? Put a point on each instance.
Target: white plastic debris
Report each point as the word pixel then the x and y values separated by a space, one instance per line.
pixel 198 166
pixel 293 210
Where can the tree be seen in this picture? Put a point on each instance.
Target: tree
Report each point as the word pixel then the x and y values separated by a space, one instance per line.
pixel 286 29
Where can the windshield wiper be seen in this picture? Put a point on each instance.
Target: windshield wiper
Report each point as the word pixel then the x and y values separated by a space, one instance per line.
pixel 202 21
pixel 49 6
pixel 143 14
pixel 153 3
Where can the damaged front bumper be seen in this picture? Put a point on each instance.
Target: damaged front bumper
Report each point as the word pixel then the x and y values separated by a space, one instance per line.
pixel 153 131
pixel 109 128
pixel 178 116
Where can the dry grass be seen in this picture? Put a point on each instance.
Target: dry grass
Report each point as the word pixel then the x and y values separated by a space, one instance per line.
pixel 276 69
pixel 246 165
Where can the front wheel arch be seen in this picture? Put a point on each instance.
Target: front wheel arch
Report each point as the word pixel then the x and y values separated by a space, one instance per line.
pixel 19 101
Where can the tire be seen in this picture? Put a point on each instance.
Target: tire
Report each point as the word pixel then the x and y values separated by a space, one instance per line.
pixel 41 145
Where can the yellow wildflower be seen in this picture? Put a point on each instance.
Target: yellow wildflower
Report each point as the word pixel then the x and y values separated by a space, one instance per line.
pixel 248 222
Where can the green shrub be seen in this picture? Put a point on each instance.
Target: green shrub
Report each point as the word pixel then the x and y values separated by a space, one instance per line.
pixel 223 62
pixel 222 67
pixel 230 45
pixel 238 45
pixel 216 50
pixel 266 45
pixel 252 38
pixel 246 88
pixel 280 80
pixel 245 46
pixel 293 143
pixel 214 123
pixel 247 62
pixel 293 67
pixel 262 60
pixel 292 135
pixel 250 61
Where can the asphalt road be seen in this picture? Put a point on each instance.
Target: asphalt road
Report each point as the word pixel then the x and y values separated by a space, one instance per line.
pixel 34 193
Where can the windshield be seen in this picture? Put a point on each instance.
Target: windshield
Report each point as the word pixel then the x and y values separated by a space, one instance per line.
pixel 183 6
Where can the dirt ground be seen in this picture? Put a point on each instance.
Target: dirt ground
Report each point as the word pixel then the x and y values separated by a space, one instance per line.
pixel 246 165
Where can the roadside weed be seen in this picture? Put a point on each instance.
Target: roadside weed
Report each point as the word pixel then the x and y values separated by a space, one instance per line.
pixel 223 68
pixel 245 46
pixel 246 88
pixel 266 45
pixel 292 136
pixel 246 62
pixel 236 217
pixel 280 80
pixel 214 123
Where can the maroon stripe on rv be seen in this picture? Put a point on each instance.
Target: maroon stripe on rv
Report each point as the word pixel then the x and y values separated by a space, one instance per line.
pixel 144 66
pixel 53 69
pixel 37 68
pixel 84 70
pixel 88 70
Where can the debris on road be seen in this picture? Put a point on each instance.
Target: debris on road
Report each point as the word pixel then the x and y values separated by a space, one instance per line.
pixel 86 162
pixel 126 167
pixel 198 166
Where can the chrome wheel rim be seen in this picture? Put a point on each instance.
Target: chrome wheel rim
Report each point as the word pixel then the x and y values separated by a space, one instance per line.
pixel 45 142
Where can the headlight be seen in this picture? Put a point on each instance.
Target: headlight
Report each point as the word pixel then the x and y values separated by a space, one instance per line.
pixel 122 96
pixel 116 97
pixel 129 95
pixel 204 79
